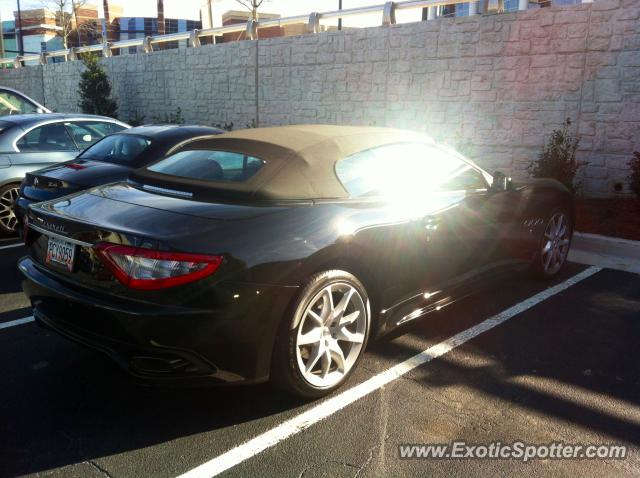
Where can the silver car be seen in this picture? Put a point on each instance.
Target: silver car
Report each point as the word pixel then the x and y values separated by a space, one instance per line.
pixel 14 102
pixel 33 141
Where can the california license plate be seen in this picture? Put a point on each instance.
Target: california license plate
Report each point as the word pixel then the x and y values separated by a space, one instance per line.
pixel 60 252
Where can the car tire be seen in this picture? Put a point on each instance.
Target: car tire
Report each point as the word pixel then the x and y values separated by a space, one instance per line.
pixel 324 335
pixel 554 244
pixel 8 220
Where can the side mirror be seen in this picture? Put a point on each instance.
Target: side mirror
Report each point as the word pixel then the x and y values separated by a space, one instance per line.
pixel 501 182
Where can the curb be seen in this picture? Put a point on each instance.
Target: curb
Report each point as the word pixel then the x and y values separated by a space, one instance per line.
pixel 614 246
pixel 605 251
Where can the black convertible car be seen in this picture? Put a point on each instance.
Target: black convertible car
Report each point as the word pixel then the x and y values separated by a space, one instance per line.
pixel 108 160
pixel 279 252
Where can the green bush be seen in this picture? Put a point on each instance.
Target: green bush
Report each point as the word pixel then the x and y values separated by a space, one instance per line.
pixel 136 120
pixel 558 158
pixel 95 90
pixel 229 126
pixel 634 178
pixel 225 126
pixel 170 118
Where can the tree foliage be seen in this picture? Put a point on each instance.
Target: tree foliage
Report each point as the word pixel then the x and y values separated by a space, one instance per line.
pixel 95 89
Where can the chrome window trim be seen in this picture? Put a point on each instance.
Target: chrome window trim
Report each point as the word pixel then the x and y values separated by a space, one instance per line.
pixel 62 120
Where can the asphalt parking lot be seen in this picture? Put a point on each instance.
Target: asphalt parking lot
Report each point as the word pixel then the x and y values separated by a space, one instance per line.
pixel 565 369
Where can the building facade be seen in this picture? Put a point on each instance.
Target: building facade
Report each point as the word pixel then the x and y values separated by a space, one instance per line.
pixel 37 29
pixel 140 27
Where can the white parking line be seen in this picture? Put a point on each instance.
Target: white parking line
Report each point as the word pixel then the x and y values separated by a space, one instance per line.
pixel 13 323
pixel 330 406
pixel 20 244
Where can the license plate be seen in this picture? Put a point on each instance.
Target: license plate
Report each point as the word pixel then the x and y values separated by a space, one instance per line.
pixel 60 252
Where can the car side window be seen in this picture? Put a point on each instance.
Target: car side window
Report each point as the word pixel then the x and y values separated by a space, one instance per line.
pixel 208 165
pixel 85 133
pixel 46 138
pixel 399 170
pixel 12 104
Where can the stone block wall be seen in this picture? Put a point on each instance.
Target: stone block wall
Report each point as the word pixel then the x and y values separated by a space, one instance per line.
pixel 502 83
pixel 27 80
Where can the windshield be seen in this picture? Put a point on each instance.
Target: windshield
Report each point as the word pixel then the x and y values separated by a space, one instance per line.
pixel 117 148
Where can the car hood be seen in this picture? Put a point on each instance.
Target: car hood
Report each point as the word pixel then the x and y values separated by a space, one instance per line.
pixel 83 172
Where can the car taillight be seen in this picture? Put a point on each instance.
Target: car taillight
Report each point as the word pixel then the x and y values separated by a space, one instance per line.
pixel 74 166
pixel 146 269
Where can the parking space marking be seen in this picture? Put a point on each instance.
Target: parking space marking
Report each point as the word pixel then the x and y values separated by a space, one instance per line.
pixel 305 420
pixel 20 244
pixel 13 323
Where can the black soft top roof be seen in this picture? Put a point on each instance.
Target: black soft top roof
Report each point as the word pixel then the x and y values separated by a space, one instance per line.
pixel 300 160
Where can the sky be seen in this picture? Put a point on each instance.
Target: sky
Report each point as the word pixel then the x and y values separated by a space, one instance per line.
pixel 190 9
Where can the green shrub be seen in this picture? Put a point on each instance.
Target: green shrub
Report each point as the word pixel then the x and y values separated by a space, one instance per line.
pixel 95 90
pixel 634 178
pixel 229 126
pixel 136 120
pixel 170 118
pixel 225 126
pixel 558 158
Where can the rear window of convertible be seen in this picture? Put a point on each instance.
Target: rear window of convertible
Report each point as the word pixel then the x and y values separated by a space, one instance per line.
pixel 208 165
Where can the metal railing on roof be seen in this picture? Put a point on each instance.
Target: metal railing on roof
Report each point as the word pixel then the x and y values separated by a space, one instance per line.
pixel 386 10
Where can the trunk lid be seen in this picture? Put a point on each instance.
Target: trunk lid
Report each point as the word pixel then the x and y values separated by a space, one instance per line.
pixel 68 177
pixel 113 211
pixel 122 214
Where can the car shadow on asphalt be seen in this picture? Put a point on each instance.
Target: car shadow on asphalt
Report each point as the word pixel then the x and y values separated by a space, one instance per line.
pixel 573 358
pixel 90 409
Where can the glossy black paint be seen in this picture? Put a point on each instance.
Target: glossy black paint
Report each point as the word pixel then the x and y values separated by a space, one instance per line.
pixel 412 258
pixel 65 178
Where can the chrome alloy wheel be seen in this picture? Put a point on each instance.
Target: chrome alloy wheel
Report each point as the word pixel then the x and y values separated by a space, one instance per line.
pixel 557 237
pixel 8 218
pixel 331 334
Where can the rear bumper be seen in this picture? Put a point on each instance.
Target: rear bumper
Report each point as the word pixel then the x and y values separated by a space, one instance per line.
pixel 161 343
